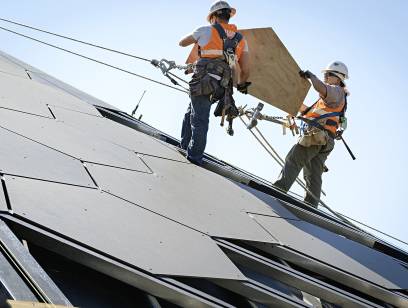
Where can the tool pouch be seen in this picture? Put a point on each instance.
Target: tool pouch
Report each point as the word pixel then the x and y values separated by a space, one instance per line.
pixel 227 106
pixel 203 85
pixel 205 78
pixel 314 136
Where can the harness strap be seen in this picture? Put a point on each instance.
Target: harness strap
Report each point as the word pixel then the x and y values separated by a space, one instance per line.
pixel 221 32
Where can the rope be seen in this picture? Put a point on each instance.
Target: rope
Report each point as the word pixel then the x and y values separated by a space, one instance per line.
pixel 374 229
pixel 299 181
pixel 92 45
pixel 177 77
pixel 75 40
pixel 279 160
pixel 93 60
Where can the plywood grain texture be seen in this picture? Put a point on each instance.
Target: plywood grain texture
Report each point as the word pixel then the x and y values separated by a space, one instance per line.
pixel 274 73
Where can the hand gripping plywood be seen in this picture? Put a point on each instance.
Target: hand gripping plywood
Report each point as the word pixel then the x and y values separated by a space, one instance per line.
pixel 274 73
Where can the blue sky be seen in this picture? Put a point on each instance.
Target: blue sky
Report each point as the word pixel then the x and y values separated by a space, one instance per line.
pixel 371 37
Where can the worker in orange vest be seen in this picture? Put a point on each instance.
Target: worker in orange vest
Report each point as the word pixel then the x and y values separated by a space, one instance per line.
pixel 322 121
pixel 220 48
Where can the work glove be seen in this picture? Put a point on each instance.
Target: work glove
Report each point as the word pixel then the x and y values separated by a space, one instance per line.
pixel 243 87
pixel 305 74
pixel 339 134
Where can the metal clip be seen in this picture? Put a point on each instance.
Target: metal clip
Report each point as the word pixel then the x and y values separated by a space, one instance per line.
pixel 166 65
pixel 230 57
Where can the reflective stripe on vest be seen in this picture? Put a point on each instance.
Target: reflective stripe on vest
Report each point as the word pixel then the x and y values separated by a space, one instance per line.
pixel 211 52
pixel 330 117
pixel 214 48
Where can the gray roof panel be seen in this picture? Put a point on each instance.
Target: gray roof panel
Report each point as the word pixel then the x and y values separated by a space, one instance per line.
pixel 24 157
pixel 8 67
pixel 119 229
pixel 51 82
pixel 32 97
pixel 116 133
pixel 275 204
pixel 71 141
pixel 337 251
pixel 23 95
pixel 3 204
pixel 190 195
pixel 62 86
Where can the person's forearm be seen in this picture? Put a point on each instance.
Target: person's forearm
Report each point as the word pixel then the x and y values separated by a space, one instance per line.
pixel 318 85
pixel 302 108
pixel 243 76
pixel 188 40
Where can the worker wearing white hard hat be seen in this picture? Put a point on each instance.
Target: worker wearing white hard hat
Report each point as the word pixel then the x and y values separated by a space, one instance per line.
pixel 220 47
pixel 220 5
pixel 323 123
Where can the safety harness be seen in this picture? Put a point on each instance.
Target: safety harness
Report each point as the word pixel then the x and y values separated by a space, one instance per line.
pixel 307 123
pixel 226 106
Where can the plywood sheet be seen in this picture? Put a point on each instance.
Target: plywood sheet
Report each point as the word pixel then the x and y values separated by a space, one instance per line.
pixel 274 73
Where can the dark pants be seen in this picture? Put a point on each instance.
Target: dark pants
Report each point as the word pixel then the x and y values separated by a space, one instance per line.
pixel 195 128
pixel 311 160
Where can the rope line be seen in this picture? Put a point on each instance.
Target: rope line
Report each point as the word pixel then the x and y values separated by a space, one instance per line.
pixel 374 229
pixel 75 40
pixel 93 60
pixel 90 44
pixel 278 159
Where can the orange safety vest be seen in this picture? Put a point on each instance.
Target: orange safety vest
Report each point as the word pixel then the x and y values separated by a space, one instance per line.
pixel 330 117
pixel 214 48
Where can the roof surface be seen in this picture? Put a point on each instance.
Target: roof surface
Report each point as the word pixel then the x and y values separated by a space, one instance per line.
pixel 128 205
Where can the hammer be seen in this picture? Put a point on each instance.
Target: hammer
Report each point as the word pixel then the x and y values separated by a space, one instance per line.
pixel 253 120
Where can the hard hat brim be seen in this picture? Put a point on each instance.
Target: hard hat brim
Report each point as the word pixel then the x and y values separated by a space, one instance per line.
pixel 233 12
pixel 343 77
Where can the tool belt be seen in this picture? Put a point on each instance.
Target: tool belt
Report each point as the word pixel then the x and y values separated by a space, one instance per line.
pixel 226 108
pixel 210 77
pixel 313 136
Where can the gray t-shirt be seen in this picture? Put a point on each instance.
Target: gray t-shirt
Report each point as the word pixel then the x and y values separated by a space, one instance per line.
pixel 335 96
pixel 203 35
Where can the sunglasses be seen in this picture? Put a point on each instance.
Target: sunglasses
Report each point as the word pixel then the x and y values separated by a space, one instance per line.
pixel 328 74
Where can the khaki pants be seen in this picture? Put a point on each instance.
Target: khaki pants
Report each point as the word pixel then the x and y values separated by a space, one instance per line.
pixel 311 160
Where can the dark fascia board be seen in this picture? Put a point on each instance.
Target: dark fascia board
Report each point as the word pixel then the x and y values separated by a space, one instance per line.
pixel 11 283
pixel 144 281
pixel 260 293
pixel 29 268
pixel 292 277
pixel 333 273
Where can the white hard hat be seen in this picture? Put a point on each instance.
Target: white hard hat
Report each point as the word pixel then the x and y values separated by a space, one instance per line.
pixel 219 5
pixel 337 68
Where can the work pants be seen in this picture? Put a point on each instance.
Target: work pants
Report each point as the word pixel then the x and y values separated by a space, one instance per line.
pixel 311 160
pixel 195 128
